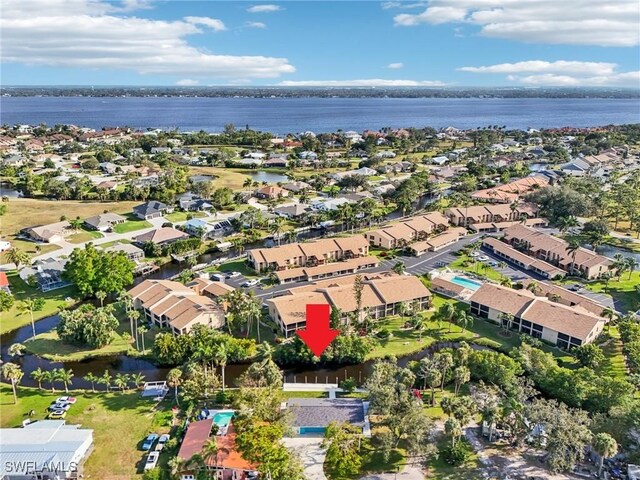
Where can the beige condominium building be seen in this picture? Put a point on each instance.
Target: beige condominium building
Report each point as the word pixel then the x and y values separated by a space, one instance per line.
pixel 175 306
pixel 308 254
pixel 412 229
pixel 382 295
pixel 557 323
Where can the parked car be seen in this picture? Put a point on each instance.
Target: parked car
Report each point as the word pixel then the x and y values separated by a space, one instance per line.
pixel 218 277
pixel 474 254
pixel 233 275
pixel 57 414
pixel 66 400
pixel 250 283
pixel 483 258
pixel 164 438
pixel 575 287
pixel 149 441
pixel 493 264
pixel 152 460
pixel 59 406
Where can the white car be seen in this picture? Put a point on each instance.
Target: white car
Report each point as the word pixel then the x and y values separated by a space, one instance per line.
pixel 66 400
pixel 233 274
pixel 474 254
pixel 250 283
pixel 152 460
pixel 164 438
pixel 483 258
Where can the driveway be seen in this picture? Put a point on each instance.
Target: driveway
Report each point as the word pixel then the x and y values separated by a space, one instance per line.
pixel 311 454
pixel 408 473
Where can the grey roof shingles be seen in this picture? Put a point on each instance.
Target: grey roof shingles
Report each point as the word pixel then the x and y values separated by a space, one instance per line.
pixel 319 412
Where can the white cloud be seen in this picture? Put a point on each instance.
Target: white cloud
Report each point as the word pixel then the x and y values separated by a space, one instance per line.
pixel 395 65
pixel 187 82
pixel 390 5
pixel 255 25
pixel 561 73
pixel 372 82
pixel 571 22
pixel 212 23
pixel 264 8
pixel 82 34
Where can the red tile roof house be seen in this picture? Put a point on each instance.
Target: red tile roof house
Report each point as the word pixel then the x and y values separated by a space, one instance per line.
pixel 228 463
pixel 4 282
pixel 271 191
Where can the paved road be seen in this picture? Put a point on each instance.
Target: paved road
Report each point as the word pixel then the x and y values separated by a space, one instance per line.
pixel 311 454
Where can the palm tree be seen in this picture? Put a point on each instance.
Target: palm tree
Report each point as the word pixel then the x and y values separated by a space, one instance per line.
pixel 460 376
pixel 572 249
pixel 417 322
pixel 619 264
pixel 137 379
pixel 17 256
pixel 276 228
pixel 463 319
pixel 534 288
pixel 605 446
pixel 66 377
pixel 106 379
pixel 16 350
pixel 134 316
pixel 76 224
pixel 39 376
pixel 506 320
pixel 121 381
pixel 247 183
pixel 506 282
pixel 445 362
pixel 142 329
pixel 174 379
pixel 126 300
pixel 447 312
pixel 51 377
pixel 610 314
pixel 399 268
pixel 253 311
pixel 30 305
pixel 632 264
pixel 12 372
pixel 210 451
pixel 220 357
pixel 92 379
pixel 100 295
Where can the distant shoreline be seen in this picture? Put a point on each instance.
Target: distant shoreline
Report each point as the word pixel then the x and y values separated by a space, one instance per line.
pixel 318 92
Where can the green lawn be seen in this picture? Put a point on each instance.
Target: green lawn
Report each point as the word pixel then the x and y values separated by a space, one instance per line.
pixel 48 345
pixel 440 470
pixel 623 291
pixel 235 266
pixel 182 216
pixel 614 358
pixel 54 301
pixel 30 247
pixel 83 236
pixel 120 421
pixel 115 242
pixel 131 224
pixel 466 264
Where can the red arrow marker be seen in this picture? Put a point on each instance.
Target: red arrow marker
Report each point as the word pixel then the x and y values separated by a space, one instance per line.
pixel 317 336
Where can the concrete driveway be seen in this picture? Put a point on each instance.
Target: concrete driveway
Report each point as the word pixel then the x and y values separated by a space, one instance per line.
pixel 408 473
pixel 311 454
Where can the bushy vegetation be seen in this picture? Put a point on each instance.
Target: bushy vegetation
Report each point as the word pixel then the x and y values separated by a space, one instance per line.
pixel 87 325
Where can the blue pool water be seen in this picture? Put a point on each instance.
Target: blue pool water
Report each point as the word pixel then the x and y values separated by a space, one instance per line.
pixel 304 430
pixel 466 283
pixel 222 419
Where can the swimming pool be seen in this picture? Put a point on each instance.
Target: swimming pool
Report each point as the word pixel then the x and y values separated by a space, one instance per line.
pixel 466 283
pixel 222 419
pixel 307 430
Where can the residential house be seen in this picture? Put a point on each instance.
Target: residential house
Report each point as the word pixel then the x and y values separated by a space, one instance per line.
pixel 521 310
pixel 4 283
pixel 161 236
pixel 438 242
pixel 504 250
pixel 104 221
pixel 54 232
pixel 132 252
pixel 364 171
pixel 199 228
pixel 292 211
pixel 382 295
pixel 190 202
pixel 329 205
pixel 554 250
pixel 107 185
pixel 512 191
pixel 313 415
pixel 439 160
pixel 561 295
pixel 311 274
pixel 109 167
pixel 151 209
pixel 47 273
pixel 228 463
pixel 40 448
pixel 271 192
pixel 211 289
pixel 175 306
pixel 307 254
pixel 296 187
pixel 401 234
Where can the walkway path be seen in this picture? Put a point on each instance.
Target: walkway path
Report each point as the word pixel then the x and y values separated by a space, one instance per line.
pixel 408 473
pixel 311 453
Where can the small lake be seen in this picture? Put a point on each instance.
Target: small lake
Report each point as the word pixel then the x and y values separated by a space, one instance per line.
pixel 8 190
pixel 264 176
pixel 610 251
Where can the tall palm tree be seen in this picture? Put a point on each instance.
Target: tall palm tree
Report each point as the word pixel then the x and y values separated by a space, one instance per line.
pixel 605 446
pixel 100 295
pixel 137 379
pixel 121 381
pixel 610 314
pixel 417 322
pixel 14 374
pixel 632 264
pixel 134 316
pixel 31 305
pixel 18 257
pixel 51 377
pixel 174 379
pixel 92 379
pixel 106 379
pixel 210 451
pixel 619 264
pixel 264 351
pixel 463 319
pixel 142 329
pixel 66 377
pixel 447 312
pixel 39 376
pixel 572 249
pixel 253 312
pixel 506 320
pixel 534 288
pixel 399 268
pixel 220 358
pixel 277 227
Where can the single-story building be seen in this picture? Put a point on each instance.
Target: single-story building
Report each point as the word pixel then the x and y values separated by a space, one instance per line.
pixel 151 209
pixel 54 232
pixel 104 221
pixel 132 252
pixel 271 192
pixel 438 242
pixel 292 211
pixel 47 273
pixel 161 236
pixel 313 415
pixel 504 250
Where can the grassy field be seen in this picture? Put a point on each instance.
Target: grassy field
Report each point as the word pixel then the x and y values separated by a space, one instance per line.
pixel 623 290
pixel 131 225
pixel 30 247
pixel 48 345
pixel 182 216
pixel 120 421
pixel 232 178
pixel 465 264
pixel 84 236
pixel 53 301
pixel 614 364
pixel 28 212
pixel 235 266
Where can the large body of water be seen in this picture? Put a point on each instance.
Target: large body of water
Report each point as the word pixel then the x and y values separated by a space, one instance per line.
pixel 290 115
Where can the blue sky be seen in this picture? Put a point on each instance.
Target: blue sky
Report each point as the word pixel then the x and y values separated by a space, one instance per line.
pixel 431 43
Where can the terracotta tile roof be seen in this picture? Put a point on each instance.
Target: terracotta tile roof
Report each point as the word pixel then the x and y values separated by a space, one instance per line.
pixel 503 299
pixel 403 288
pixel 447 237
pixel 326 269
pixel 571 298
pixel 293 308
pixel 195 438
pixel 228 455
pixel 4 281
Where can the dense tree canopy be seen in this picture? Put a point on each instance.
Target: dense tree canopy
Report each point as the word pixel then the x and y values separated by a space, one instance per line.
pixel 93 270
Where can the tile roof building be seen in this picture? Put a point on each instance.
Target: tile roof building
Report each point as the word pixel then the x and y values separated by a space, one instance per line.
pixel 173 305
pixel 307 254
pixel 310 274
pixel 407 231
pixel 555 251
pixel 512 191
pixel 564 326
pixel 54 232
pixel 504 250
pixel 104 221
pixel 382 295
pixel 488 214
pixel 161 236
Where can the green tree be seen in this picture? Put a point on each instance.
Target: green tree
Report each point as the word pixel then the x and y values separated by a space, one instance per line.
pixel 92 379
pixel 6 301
pixel 87 326
pixel 31 305
pixel 220 357
pixel 16 350
pixel 66 377
pixel 605 446
pixel 14 374
pixel 18 257
pixel 39 376
pixel 93 270
pixel 399 268
pixel 589 355
pixel 342 442
pixel 174 379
